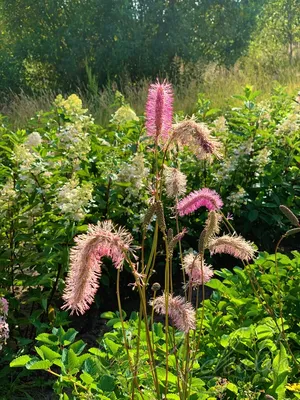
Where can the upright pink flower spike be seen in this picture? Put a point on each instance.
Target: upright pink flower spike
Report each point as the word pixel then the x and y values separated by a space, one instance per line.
pixel 200 198
pixel 159 110
pixel 82 283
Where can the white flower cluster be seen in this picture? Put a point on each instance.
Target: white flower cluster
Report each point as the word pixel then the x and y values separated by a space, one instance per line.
pixel 33 140
pixel 220 125
pixel 74 141
pixel 230 164
pixel 73 136
pixel 29 217
pixel 73 199
pixel 261 160
pixel 8 194
pixel 238 198
pixel 134 173
pixel 124 114
pixel 30 165
pixel 289 125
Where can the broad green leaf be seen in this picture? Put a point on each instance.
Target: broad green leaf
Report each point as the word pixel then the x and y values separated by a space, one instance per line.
pixel 107 383
pixel 86 378
pixel 161 374
pixel 40 352
pixel 78 346
pixel 20 361
pixel 49 354
pixel 72 360
pixel 47 338
pixel 280 373
pixel 42 364
pixel 232 387
pixel 108 315
pixel 97 352
pixel 112 346
pixel 69 336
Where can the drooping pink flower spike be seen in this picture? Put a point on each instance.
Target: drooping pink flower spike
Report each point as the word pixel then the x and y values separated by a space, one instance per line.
pixel 200 198
pixel 234 245
pixel 198 272
pixel 103 239
pixel 159 110
pixel 180 311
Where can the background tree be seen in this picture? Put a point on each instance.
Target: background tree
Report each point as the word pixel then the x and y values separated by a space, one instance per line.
pixel 55 42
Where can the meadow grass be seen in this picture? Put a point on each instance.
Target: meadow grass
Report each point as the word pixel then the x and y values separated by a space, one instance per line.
pixel 216 83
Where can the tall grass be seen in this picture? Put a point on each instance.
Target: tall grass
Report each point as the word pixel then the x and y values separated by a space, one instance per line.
pixel 217 83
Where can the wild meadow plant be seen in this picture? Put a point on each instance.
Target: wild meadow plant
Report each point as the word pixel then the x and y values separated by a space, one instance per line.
pixel 107 240
pixel 152 360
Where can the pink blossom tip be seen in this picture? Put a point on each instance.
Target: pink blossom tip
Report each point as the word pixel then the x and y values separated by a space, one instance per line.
pixel 159 110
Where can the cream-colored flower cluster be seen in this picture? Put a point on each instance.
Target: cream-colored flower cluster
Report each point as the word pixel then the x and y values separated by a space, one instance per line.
pixel 73 199
pixel 124 114
pixel 261 160
pixel 74 141
pixel 236 199
pixel 290 124
pixel 135 172
pixel 8 195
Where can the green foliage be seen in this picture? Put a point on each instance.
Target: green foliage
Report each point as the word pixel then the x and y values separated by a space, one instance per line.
pixel 63 171
pixel 277 34
pixel 49 44
pixel 242 352
pixel 259 170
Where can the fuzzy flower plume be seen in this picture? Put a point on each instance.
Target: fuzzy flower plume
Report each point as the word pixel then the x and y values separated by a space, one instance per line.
pixel 198 274
pixel 212 228
pixel 199 198
pixel 175 182
pixel 103 239
pixel 198 138
pixel 159 110
pixel 180 311
pixel 234 245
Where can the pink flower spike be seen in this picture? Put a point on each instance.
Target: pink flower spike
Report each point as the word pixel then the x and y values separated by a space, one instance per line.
pixel 180 311
pixel 234 245
pixel 103 239
pixel 200 198
pixel 198 272
pixel 159 110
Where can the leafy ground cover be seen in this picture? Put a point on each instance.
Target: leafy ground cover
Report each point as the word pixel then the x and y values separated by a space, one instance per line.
pixel 235 338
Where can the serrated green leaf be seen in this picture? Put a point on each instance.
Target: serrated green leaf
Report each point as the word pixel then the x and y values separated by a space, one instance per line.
pixel 112 346
pixel 20 361
pixel 40 352
pixel 42 364
pixel 78 347
pixel 69 336
pixel 49 354
pixel 72 360
pixel 97 352
pixel 86 378
pixel 47 338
